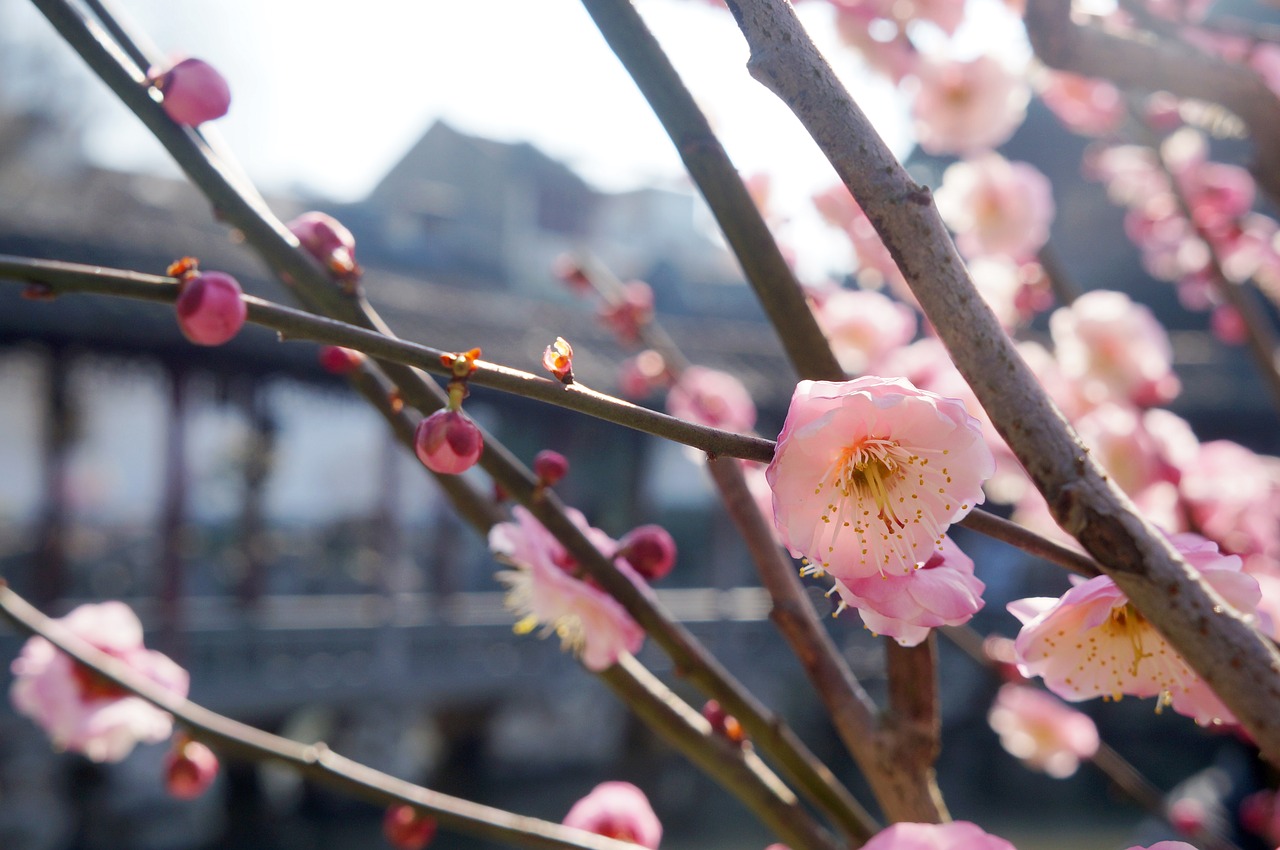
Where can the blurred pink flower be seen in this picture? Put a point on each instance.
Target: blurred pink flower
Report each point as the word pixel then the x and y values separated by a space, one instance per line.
pixel 81 711
pixel 543 590
pixel 936 836
pixel 995 206
pixel 1086 105
pixel 966 107
pixel 1114 350
pixel 617 810
pixel 714 398
pixel 940 592
pixel 639 376
pixel 1233 495
pixel 869 473
pixel 1166 845
pixel 1092 642
pixel 863 326
pixel 630 312
pixel 1038 729
pixel 889 52
pixel 876 267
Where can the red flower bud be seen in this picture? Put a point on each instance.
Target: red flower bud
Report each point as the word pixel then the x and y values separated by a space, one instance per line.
pixel 324 237
pixel 210 310
pixel 447 442
pixel 194 92
pixel 339 360
pixel 407 828
pixel 189 769
pixel 558 360
pixel 550 467
pixel 650 550
pixel 723 723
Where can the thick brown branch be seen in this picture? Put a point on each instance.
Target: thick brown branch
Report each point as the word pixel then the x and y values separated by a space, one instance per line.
pixel 1241 666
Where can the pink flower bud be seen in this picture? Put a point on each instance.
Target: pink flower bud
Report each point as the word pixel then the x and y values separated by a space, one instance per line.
pixel 339 360
pixel 210 309
pixel 558 360
pixel 650 550
pixel 447 442
pixel 617 810
pixel 407 828
pixel 323 237
pixel 550 467
pixel 723 723
pixel 194 92
pixel 189 769
pixel 570 271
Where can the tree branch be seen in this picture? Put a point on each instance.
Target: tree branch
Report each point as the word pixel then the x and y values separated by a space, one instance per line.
pixel 1238 663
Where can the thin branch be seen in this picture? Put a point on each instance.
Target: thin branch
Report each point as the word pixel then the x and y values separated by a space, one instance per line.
pixel 1240 665
pixel 279 248
pixel 713 173
pixel 299 325
pixel 314 761
pixel 736 767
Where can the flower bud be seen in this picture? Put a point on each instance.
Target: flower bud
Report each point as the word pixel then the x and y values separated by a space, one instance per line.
pixel 723 723
pixel 557 359
pixel 323 237
pixel 407 828
pixel 650 550
pixel 447 442
pixel 550 467
pixel 189 769
pixel 210 309
pixel 340 361
pixel 194 92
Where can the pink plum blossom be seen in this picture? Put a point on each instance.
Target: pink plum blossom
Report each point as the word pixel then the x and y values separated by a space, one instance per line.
pixel 1038 729
pixel 892 54
pixel 936 836
pixel 1233 495
pixel 863 326
pixel 966 107
pixel 1166 845
pixel 713 398
pixel 1086 105
pixel 542 589
pixel 869 473
pixel 189 768
pixel 81 711
pixel 630 312
pixel 940 592
pixel 1114 349
pixel 639 376
pixel 1092 642
pixel 194 92
pixel 408 828
pixel 995 206
pixel 617 810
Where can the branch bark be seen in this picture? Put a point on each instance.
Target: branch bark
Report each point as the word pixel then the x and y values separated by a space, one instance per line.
pixel 1239 664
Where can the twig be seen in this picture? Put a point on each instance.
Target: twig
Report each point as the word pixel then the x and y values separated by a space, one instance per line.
pixel 268 236
pixel 314 761
pixel 718 181
pixel 1240 665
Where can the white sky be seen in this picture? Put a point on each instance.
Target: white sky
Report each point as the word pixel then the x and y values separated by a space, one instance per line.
pixel 326 98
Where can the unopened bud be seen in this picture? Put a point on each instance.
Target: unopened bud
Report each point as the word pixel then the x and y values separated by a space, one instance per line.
pixel 650 550
pixel 550 467
pixel 407 828
pixel 558 360
pixel 339 360
pixel 324 237
pixel 210 309
pixel 194 92
pixel 189 769
pixel 447 442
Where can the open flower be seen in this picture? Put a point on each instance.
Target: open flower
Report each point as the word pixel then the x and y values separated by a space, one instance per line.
pixel 542 590
pixel 617 810
pixel 940 592
pixel 995 206
pixel 1038 729
pixel 935 836
pixel 714 398
pixel 1092 642
pixel 80 710
pixel 868 474
pixel 965 107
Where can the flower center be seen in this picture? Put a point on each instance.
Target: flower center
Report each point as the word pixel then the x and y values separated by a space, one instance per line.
pixel 867 472
pixel 1127 623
